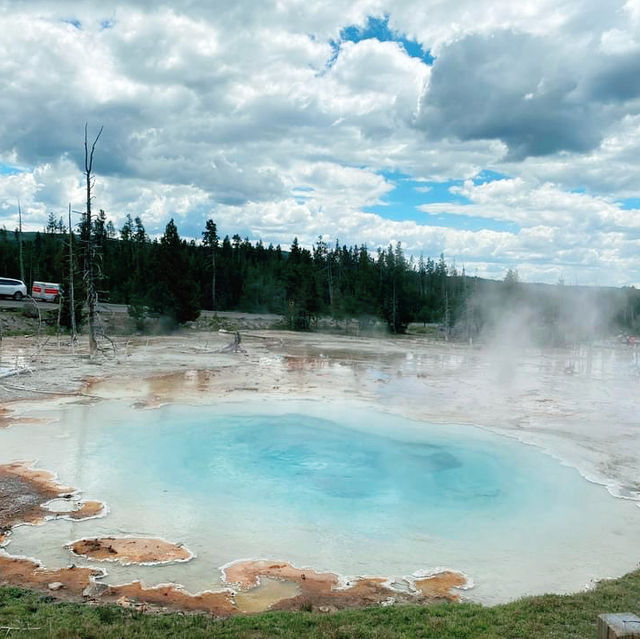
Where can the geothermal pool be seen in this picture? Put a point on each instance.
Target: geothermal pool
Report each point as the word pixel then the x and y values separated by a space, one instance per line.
pixel 339 487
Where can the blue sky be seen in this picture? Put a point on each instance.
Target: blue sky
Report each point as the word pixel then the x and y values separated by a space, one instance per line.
pixel 630 203
pixel 377 28
pixel 7 169
pixel 404 201
pixel 449 127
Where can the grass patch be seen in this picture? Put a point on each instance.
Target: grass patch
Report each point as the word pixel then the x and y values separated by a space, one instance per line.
pixel 548 616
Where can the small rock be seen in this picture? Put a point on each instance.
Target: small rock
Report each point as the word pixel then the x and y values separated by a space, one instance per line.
pixel 327 608
pixel 94 589
pixel 55 585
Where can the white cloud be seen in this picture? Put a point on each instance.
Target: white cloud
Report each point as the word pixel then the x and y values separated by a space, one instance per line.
pixel 618 41
pixel 514 200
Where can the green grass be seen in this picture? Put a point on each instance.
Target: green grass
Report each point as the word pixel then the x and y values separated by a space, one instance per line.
pixel 557 616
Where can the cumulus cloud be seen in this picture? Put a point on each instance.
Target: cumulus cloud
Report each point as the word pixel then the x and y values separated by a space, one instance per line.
pixel 515 200
pixel 512 87
pixel 610 170
pixel 588 237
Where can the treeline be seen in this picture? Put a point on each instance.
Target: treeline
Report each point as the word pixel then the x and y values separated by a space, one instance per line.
pixel 174 277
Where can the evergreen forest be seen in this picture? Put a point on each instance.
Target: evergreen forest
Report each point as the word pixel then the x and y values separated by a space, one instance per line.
pixel 177 278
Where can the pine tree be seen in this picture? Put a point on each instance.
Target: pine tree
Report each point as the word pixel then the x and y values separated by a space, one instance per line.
pixel 210 239
pixel 178 294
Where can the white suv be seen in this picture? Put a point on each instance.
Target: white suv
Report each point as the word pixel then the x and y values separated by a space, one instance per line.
pixel 12 288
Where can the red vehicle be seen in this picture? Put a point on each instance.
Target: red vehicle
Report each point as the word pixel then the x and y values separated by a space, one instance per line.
pixel 46 291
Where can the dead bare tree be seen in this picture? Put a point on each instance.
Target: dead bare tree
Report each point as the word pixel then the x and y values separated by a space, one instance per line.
pixel 39 344
pixel 72 304
pixel 59 318
pixel 89 248
pixel 20 241
pixel 234 347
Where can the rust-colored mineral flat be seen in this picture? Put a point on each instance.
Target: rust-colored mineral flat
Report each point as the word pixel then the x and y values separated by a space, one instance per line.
pixel 130 550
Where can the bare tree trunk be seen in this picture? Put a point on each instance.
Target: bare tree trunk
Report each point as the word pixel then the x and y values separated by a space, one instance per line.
pixel 394 307
pixel 88 255
pixel 330 284
pixel 20 242
pixel 447 317
pixel 213 277
pixel 59 317
pixel 72 302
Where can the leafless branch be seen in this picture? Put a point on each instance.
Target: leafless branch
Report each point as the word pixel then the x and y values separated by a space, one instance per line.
pixel 88 155
pixel 89 247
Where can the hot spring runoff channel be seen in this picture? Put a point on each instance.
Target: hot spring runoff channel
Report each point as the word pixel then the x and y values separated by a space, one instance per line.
pixel 341 488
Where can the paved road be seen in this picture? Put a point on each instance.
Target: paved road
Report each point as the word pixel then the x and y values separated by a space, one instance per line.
pixel 8 303
pixel 122 308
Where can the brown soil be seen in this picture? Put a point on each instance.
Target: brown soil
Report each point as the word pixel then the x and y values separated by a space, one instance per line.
pixel 128 550
pixel 87 510
pixel 23 490
pixel 267 594
pixel 315 589
pixel 16 571
pixel 441 585
pixel 217 603
pixel 246 574
pixel 370 591
pixel 323 590
pixel 74 580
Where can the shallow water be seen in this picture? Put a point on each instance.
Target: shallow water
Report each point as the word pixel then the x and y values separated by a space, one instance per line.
pixel 337 487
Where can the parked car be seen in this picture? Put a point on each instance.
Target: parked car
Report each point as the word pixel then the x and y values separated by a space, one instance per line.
pixel 12 288
pixel 46 291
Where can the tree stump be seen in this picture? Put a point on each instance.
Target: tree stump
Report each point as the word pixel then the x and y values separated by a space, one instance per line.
pixel 617 626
